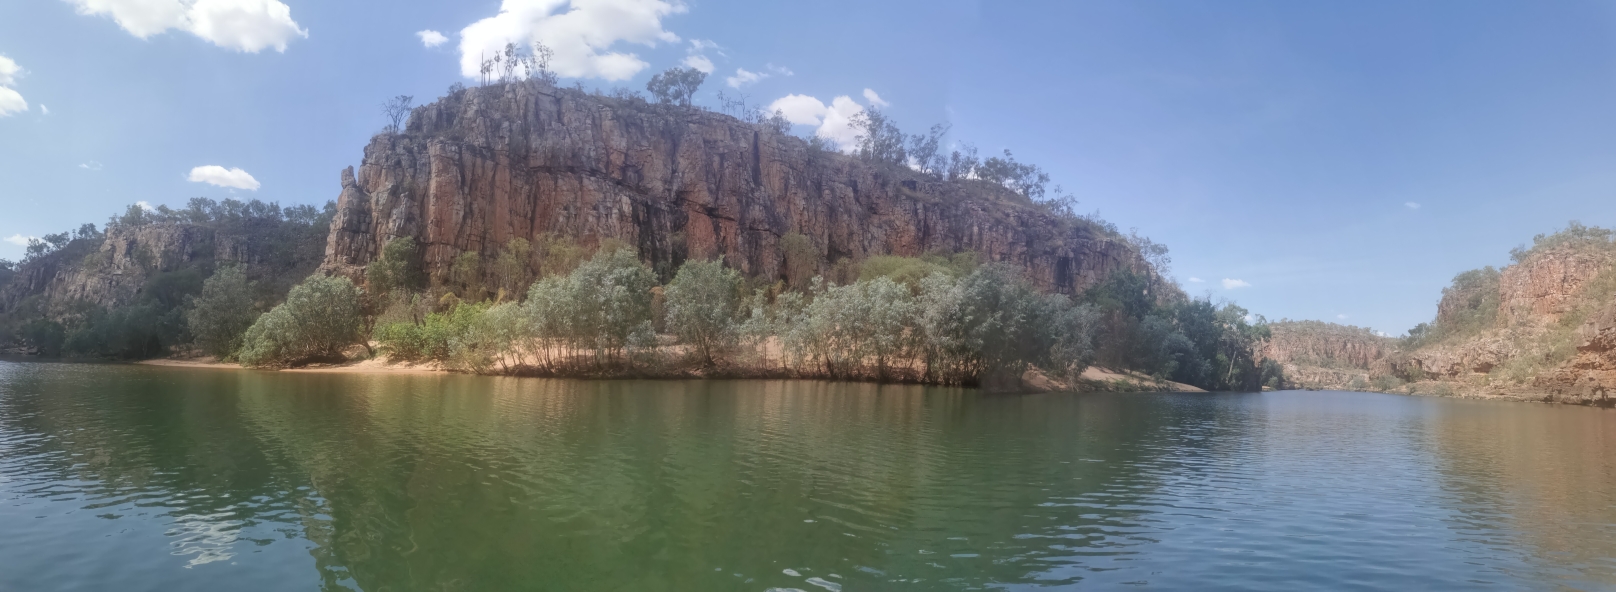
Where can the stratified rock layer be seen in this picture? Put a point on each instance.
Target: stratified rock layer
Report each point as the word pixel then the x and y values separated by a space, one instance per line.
pixel 486 165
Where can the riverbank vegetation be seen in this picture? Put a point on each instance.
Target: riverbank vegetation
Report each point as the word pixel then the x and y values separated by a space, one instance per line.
pixel 557 308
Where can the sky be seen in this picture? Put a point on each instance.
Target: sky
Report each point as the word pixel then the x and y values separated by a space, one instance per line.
pixel 1339 161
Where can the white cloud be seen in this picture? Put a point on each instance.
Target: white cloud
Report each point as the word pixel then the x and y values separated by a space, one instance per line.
pixel 91 166
pixel 699 62
pixel 800 109
pixel 700 45
pixel 1341 316
pixel 243 25
pixel 833 120
pixel 742 78
pixel 875 99
pixel 146 205
pixel 837 125
pixel 1196 280
pixel 580 32
pixel 43 110
pixel 781 70
pixel 20 240
pixel 431 38
pixel 1411 205
pixel 222 177
pixel 10 100
pixel 1229 284
pixel 8 71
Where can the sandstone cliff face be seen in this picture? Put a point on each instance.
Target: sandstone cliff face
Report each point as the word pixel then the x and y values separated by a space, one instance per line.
pixel 1538 291
pixel 1327 355
pixel 487 165
pixel 114 274
pixel 1536 300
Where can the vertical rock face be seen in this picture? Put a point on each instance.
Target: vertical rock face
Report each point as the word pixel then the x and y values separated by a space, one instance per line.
pixel 1542 329
pixel 1326 344
pixel 1546 286
pixel 114 274
pixel 486 165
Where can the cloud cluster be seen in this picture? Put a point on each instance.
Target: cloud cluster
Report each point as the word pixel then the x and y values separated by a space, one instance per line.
pixel 875 99
pixel 1411 205
pixel 699 62
pixel 20 240
pixel 10 100
pixel 833 120
pixel 243 25
pixel 580 32
pixel 431 38
pixel 1231 284
pixel 742 78
pixel 222 177
pixel 745 77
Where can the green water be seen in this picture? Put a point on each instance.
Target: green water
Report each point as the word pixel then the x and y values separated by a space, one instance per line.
pixel 140 478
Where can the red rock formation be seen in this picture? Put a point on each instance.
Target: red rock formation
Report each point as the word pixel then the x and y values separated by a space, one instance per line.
pixel 486 165
pixel 1547 285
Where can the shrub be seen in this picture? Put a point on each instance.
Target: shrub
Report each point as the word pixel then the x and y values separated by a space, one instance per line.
pixel 220 317
pixel 320 318
pixel 701 303
pixel 596 307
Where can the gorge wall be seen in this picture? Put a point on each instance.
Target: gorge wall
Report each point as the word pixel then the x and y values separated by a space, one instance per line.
pixel 1543 328
pixel 486 165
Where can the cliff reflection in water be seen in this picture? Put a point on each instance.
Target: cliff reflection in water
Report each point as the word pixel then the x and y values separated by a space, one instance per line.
pixel 184 479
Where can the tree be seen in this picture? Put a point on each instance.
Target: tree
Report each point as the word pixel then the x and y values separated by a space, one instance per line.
pixel 397 110
pixel 467 272
pixel 596 307
pixel 511 268
pixel 879 139
pixel 1028 180
pixel 801 259
pixel 221 315
pixel 701 301
pixel 396 269
pixel 676 85
pixel 926 150
pixel 320 318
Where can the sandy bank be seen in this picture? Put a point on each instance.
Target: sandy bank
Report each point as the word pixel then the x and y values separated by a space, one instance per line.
pixel 373 366
pixel 1094 379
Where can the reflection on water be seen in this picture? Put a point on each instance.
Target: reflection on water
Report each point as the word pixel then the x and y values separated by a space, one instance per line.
pixel 155 478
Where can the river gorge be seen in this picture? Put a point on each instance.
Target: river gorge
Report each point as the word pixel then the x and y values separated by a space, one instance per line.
pixel 152 478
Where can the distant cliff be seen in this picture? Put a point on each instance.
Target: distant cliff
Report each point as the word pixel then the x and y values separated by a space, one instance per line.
pixel 486 165
pixel 1316 354
pixel 1543 328
pixel 160 254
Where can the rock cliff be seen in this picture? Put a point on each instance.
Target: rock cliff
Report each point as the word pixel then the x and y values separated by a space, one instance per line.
pixel 1327 355
pixel 486 165
pixel 1541 329
pixel 111 275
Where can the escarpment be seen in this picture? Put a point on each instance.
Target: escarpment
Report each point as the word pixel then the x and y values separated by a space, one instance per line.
pixel 1543 328
pixel 486 165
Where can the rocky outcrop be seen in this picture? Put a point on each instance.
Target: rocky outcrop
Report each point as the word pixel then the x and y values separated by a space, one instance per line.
pixel 486 165
pixel 1547 285
pixel 113 274
pixel 1529 348
pixel 1327 355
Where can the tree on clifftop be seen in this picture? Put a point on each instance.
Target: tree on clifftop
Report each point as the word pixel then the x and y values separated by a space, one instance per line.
pixel 676 85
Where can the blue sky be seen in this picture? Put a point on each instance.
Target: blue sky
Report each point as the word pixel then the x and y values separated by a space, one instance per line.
pixel 1340 160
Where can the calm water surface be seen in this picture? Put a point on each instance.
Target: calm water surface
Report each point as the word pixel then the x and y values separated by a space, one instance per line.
pixel 138 478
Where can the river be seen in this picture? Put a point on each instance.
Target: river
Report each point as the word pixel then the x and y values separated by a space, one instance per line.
pixel 129 478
